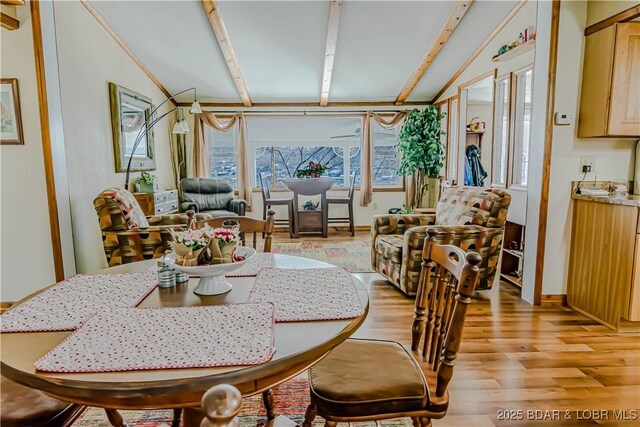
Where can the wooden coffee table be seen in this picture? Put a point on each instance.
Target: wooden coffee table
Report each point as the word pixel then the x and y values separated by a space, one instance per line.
pixel 298 345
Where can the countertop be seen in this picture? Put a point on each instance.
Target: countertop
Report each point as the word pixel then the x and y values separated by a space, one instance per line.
pixel 613 199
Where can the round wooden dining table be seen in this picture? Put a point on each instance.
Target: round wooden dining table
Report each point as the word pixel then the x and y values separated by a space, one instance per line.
pixel 298 345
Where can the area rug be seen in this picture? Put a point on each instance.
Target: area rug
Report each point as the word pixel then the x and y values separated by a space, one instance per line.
pixel 355 256
pixel 291 399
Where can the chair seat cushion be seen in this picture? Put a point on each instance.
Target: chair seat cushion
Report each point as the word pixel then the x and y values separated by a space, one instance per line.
pixel 389 246
pixel 26 407
pixel 217 213
pixel 368 377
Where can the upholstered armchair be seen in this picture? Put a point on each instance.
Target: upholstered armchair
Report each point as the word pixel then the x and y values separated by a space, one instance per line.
pixel 211 196
pixel 129 236
pixel 471 218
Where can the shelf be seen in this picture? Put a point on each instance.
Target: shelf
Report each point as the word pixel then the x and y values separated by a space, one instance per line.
pixel 512 279
pixel 518 254
pixel 516 51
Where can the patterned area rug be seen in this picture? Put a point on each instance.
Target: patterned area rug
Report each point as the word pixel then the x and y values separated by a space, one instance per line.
pixel 291 400
pixel 353 256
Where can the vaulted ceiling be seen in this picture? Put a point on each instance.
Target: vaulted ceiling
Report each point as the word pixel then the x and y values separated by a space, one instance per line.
pixel 281 47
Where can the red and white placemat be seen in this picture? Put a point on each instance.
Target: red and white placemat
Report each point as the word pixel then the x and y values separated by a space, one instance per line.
pixel 67 304
pixel 308 294
pixel 253 266
pixel 128 339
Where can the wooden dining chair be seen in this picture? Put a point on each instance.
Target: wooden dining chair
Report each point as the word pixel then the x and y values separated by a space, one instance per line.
pixel 246 226
pixel 268 202
pixel 365 380
pixel 345 201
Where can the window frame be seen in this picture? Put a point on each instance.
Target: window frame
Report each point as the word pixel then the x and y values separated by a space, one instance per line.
pixel 515 130
pixel 496 183
pixel 453 144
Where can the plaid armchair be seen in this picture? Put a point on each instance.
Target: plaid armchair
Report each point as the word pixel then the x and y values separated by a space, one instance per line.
pixel 129 236
pixel 471 218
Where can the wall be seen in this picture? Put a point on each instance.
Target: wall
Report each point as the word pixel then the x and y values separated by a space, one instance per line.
pixel 27 264
pixel 614 156
pixel 88 60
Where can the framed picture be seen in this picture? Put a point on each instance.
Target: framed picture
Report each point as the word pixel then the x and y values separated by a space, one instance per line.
pixel 10 120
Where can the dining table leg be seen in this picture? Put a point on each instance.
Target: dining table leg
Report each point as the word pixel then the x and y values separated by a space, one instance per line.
pixel 269 403
pixel 114 417
pixel 192 417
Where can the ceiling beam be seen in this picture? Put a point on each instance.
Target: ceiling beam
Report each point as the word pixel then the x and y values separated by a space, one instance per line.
pixel 124 47
pixel 484 44
pixel 459 10
pixel 8 22
pixel 330 51
pixel 13 2
pixel 220 31
pixel 303 104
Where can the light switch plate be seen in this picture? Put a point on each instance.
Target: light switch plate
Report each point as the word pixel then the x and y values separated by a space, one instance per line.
pixel 563 119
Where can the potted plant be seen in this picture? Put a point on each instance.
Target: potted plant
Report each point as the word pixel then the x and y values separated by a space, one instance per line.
pixel 422 153
pixel 146 183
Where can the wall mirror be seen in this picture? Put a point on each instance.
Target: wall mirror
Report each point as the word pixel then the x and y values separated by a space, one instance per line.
pixel 129 113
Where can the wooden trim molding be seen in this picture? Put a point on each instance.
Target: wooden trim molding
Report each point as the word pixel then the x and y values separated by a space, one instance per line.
pixel 493 73
pixel 626 15
pixel 124 47
pixel 333 27
pixel 13 2
pixel 43 107
pixel 9 22
pixel 303 105
pixel 548 145
pixel 553 299
pixel 484 44
pixel 220 31
pixel 455 17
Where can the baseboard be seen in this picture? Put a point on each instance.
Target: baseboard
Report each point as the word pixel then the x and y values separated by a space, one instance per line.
pixel 367 228
pixel 554 299
pixel 4 306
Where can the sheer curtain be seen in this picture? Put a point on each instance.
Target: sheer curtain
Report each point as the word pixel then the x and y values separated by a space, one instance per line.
pixel 200 157
pixel 366 190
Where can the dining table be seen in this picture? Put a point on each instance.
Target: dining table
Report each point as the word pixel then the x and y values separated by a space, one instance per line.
pixel 298 346
pixel 312 221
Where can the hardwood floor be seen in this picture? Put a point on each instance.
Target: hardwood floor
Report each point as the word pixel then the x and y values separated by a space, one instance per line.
pixel 516 357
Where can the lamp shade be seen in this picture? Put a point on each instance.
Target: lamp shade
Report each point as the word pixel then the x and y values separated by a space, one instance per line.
pixel 178 128
pixel 184 124
pixel 195 108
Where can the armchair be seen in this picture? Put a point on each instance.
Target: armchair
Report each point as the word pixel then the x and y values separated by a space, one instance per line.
pixel 210 196
pixel 471 218
pixel 129 236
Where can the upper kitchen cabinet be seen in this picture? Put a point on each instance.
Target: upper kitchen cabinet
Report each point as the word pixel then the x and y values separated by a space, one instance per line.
pixel 610 101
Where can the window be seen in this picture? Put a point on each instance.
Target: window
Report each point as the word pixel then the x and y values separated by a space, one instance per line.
pixel 501 131
pixel 443 108
pixel 452 149
pixel 222 154
pixel 385 157
pixel 522 126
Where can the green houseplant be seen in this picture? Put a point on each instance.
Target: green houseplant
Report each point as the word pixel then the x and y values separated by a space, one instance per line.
pixel 146 183
pixel 422 153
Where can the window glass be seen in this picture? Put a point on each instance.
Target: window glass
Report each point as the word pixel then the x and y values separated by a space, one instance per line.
pixel 452 149
pixel 222 154
pixel 501 131
pixel 522 126
pixel 385 156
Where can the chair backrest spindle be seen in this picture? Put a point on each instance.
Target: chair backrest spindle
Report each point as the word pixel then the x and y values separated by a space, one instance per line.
pixel 247 225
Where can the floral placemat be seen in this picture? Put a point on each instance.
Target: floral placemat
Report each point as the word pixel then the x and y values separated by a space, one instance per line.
pixel 130 339
pixel 308 294
pixel 66 305
pixel 253 266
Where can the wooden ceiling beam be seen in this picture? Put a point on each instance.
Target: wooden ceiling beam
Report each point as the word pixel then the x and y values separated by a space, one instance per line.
pixel 330 51
pixel 9 22
pixel 13 2
pixel 220 31
pixel 484 44
pixel 124 47
pixel 455 17
pixel 304 104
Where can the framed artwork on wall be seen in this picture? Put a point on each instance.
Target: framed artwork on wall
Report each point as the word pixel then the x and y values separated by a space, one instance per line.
pixel 10 120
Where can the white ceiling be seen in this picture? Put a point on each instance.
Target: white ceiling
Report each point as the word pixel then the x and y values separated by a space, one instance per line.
pixel 280 46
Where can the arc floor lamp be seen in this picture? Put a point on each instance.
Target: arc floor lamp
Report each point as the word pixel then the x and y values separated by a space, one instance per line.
pixel 180 127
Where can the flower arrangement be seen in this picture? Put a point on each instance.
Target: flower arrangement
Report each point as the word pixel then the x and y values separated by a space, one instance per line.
pixel 205 246
pixel 314 170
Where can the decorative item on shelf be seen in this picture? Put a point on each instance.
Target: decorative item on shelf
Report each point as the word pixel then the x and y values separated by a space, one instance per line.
pixel 405 210
pixel 310 206
pixel 314 170
pixel 525 36
pixel 146 183
pixel 11 121
pixel 422 153
pixel 476 125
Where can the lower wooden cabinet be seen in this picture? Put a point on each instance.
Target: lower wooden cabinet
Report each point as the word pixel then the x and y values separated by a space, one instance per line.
pixel 604 269
pixel 159 203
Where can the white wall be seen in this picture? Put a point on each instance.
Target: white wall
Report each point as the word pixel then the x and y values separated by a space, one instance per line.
pixel 614 156
pixel 26 252
pixel 89 59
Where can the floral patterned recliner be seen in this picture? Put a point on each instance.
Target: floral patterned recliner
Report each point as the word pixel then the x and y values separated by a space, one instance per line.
pixel 468 217
pixel 129 236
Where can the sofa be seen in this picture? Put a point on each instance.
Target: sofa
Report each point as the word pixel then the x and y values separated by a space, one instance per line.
pixel 129 236
pixel 210 196
pixel 472 218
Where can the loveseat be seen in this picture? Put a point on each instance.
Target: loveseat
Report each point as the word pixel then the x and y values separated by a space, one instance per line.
pixel 397 240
